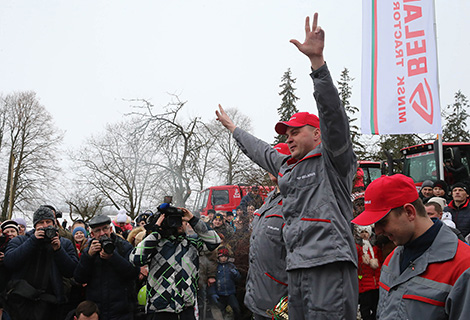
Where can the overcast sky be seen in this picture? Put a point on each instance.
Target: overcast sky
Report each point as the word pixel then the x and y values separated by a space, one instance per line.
pixel 82 58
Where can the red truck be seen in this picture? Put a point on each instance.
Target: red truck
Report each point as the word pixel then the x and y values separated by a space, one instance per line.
pixel 224 198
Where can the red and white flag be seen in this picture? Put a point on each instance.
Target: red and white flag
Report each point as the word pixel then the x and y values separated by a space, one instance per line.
pixel 399 68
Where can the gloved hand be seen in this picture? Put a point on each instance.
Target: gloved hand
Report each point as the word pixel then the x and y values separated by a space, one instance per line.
pixel 215 298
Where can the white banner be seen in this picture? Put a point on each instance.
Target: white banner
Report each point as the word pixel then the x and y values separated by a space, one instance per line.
pixel 399 68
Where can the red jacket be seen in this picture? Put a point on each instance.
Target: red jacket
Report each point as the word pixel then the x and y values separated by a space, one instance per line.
pixel 368 277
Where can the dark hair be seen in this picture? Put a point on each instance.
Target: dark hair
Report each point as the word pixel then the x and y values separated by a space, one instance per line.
pixel 436 206
pixel 87 308
pixel 229 213
pixel 211 211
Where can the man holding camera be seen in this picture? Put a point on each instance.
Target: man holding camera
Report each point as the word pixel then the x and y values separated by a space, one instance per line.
pixel 104 266
pixel 173 259
pixel 38 261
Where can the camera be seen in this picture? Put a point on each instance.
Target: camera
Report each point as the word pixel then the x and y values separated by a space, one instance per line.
pixel 107 244
pixel 173 216
pixel 3 242
pixel 50 232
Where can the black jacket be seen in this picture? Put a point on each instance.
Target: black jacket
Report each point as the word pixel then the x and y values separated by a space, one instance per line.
pixel 34 260
pixel 110 283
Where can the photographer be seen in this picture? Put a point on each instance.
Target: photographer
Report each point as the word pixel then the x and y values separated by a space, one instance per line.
pixel 173 259
pixel 104 266
pixel 38 261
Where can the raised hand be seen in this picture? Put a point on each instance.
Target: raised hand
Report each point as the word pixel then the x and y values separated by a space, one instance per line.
pixel 225 119
pixel 314 42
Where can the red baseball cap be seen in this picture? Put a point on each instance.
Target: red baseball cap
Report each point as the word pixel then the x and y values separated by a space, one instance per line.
pixel 384 194
pixel 282 148
pixel 298 120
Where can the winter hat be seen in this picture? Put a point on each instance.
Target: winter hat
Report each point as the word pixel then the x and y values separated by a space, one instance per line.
pixel 121 217
pixel 441 184
pixel 440 201
pixel 218 216
pixel 99 220
pixel 222 252
pixel 43 213
pixel 461 185
pixel 427 183
pixel 9 224
pixel 143 217
pixel 79 229
pixel 20 221
pixel 368 229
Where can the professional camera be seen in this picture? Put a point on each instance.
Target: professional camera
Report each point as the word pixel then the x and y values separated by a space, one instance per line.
pixel 169 225
pixel 173 216
pixel 107 244
pixel 50 232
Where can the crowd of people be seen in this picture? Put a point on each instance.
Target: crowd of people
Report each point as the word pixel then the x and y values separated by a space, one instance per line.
pixel 296 254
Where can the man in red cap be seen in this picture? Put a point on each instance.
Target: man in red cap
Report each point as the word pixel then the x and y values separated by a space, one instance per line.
pixel 427 276
pixel 315 183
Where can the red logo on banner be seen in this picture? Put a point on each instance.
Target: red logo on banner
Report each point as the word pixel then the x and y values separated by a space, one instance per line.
pixel 422 102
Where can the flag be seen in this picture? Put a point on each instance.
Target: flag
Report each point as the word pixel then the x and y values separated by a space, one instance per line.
pixel 400 92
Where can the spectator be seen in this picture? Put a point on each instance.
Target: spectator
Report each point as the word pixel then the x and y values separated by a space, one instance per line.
pixel 86 310
pixel 207 278
pixel 315 182
pixel 104 266
pixel 440 189
pixel 21 225
pixel 211 214
pixel 9 230
pixel 251 198
pixel 434 211
pixel 223 230
pixel 459 208
pixel 173 264
pixel 428 275
pixel 38 262
pixel 426 190
pixel 223 293
pixel 142 218
pixel 229 219
pixel 368 274
pixel 79 239
pixel 122 224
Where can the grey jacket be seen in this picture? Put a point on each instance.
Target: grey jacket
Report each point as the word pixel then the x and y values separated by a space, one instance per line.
pixel 316 189
pixel 436 286
pixel 267 276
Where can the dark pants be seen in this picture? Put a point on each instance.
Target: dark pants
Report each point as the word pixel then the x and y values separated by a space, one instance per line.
pixel 368 304
pixel 232 301
pixel 186 314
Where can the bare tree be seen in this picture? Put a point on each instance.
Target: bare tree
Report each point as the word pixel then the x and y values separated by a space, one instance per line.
pixel 117 165
pixel 30 141
pixel 232 162
pixel 177 142
pixel 85 203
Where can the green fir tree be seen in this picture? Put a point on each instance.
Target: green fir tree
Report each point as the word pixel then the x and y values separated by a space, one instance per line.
pixel 287 108
pixel 456 115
